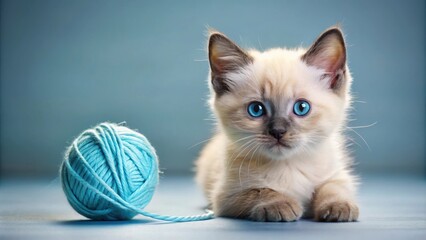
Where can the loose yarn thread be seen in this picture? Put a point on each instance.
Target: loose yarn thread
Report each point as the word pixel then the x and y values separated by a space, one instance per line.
pixel 110 173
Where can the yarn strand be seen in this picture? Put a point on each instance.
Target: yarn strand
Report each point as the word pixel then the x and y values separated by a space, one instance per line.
pixel 121 203
pixel 111 152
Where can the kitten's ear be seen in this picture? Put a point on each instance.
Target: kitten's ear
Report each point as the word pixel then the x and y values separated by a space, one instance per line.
pixel 224 57
pixel 329 53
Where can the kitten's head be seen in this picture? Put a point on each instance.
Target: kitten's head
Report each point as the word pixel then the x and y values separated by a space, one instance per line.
pixel 279 102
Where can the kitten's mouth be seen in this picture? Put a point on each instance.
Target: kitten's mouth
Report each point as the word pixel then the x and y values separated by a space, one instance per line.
pixel 278 149
pixel 281 144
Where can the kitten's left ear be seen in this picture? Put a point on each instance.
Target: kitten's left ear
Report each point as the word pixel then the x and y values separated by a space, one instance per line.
pixel 329 53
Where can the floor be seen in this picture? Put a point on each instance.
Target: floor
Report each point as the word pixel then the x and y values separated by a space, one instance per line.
pixel 391 208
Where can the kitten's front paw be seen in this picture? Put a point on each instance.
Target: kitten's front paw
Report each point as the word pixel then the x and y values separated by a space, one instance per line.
pixel 341 211
pixel 286 210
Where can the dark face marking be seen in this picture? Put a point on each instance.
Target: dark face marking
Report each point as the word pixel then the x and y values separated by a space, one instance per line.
pixel 277 127
pixel 274 125
pixel 220 85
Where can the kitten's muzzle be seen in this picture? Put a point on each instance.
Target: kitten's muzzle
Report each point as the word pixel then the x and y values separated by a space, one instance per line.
pixel 277 133
pixel 277 127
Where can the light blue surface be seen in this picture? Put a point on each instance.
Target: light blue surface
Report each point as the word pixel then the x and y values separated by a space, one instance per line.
pixel 390 208
pixel 68 65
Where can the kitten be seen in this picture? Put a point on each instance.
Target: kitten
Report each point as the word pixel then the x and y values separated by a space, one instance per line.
pixel 279 152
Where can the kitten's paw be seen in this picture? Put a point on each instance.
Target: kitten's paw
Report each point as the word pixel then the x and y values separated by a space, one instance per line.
pixel 341 211
pixel 286 210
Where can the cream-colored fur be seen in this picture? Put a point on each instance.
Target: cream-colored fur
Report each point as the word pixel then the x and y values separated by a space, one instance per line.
pixel 312 177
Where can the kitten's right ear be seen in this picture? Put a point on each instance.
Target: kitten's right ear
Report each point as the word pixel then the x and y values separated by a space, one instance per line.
pixel 329 53
pixel 224 57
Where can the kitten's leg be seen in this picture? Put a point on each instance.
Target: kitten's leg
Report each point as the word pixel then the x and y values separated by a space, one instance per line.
pixel 258 204
pixel 334 202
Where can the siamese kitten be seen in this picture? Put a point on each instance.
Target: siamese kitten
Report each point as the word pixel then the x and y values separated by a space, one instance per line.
pixel 279 152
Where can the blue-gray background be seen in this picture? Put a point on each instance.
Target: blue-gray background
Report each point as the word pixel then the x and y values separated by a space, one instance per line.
pixel 67 65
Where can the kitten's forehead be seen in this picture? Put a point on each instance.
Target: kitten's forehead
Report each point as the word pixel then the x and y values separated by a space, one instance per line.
pixel 280 73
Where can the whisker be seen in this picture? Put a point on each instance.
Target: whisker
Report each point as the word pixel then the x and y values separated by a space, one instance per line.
pixel 354 141
pixel 243 138
pixel 365 126
pixel 248 167
pixel 242 163
pixel 209 119
pixel 200 142
pixel 359 135
pixel 357 101
pixel 260 45
pixel 239 152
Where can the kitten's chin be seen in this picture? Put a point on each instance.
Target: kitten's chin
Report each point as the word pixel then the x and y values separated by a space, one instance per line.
pixel 278 151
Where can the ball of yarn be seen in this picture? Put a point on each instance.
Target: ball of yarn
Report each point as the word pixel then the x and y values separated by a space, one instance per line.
pixel 110 173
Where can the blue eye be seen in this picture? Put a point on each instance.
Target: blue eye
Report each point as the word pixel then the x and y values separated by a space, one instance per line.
pixel 256 109
pixel 301 107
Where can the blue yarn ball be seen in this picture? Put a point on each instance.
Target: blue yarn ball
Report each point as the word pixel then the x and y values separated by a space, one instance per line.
pixel 109 173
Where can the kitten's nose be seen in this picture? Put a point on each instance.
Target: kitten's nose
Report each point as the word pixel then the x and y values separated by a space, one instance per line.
pixel 277 133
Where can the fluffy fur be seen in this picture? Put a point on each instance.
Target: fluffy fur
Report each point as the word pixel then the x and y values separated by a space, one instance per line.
pixel 245 171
